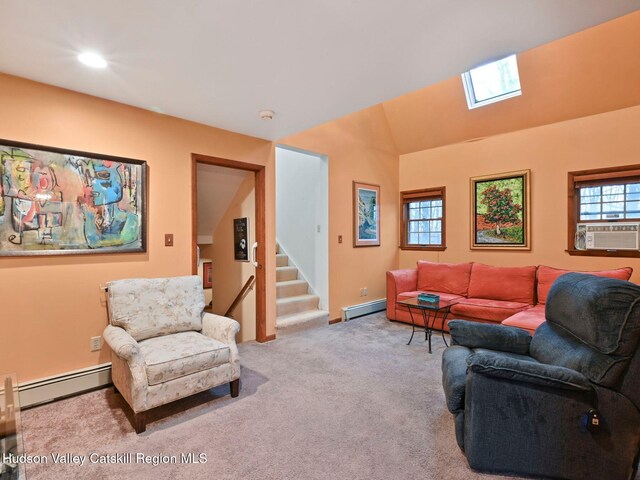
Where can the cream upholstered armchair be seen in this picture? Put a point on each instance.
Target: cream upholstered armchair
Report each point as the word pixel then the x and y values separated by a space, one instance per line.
pixel 163 346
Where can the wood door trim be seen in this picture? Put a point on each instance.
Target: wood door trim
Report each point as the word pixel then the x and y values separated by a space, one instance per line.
pixel 261 271
pixel 260 212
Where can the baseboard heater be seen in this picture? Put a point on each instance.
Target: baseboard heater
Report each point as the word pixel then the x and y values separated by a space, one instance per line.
pixel 60 386
pixel 363 309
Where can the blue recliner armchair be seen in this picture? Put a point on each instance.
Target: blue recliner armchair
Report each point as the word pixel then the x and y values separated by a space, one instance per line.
pixel 564 403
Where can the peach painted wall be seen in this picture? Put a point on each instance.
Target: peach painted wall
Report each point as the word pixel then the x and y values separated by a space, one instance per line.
pixel 51 306
pixel 359 147
pixel 593 71
pixel 550 152
pixel 230 275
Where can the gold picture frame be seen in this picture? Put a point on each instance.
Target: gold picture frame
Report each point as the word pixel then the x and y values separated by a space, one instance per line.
pixel 500 211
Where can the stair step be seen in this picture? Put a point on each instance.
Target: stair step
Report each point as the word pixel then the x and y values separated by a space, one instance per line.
pixel 297 304
pixel 302 320
pixel 282 260
pixel 286 273
pixel 291 288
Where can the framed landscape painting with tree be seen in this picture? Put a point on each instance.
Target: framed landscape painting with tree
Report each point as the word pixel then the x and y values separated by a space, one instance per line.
pixel 500 211
pixel 366 215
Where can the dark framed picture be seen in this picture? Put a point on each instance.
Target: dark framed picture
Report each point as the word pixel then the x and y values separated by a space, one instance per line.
pixel 60 202
pixel 207 275
pixel 366 215
pixel 241 239
pixel 500 211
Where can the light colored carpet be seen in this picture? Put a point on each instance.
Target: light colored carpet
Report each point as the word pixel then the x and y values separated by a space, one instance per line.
pixel 347 401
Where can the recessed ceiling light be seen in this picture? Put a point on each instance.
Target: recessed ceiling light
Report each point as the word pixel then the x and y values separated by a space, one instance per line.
pixel 92 60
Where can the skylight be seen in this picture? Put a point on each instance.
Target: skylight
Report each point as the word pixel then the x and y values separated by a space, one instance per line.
pixel 492 82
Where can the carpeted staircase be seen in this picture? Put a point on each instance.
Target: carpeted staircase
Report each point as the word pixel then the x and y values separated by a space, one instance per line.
pixel 296 305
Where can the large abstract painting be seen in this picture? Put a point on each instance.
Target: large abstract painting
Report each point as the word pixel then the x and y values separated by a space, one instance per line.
pixel 55 201
pixel 366 215
pixel 500 206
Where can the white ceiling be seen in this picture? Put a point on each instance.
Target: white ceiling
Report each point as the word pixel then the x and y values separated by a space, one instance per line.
pixel 219 62
pixel 217 186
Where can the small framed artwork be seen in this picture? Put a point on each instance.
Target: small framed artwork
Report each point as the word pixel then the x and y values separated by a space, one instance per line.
pixel 207 275
pixel 63 202
pixel 241 239
pixel 366 215
pixel 500 218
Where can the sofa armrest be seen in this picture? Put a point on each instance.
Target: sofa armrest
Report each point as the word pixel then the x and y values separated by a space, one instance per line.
pixel 224 330
pixel 123 344
pixel 492 337
pixel 540 431
pixel 128 370
pixel 499 365
pixel 400 281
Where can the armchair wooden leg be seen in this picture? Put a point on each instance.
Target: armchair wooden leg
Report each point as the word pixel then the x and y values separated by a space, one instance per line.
pixel 140 422
pixel 235 387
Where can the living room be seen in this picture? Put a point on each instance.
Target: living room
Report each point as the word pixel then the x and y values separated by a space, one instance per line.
pixel 581 113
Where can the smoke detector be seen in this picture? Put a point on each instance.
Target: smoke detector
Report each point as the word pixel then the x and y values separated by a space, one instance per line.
pixel 267 114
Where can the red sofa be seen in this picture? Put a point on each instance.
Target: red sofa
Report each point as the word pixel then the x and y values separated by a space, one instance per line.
pixel 509 295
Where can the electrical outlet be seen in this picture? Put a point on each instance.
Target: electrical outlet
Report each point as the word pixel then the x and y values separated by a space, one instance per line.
pixel 365 292
pixel 96 343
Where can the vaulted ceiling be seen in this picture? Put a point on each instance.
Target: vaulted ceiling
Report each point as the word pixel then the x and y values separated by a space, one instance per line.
pixel 220 62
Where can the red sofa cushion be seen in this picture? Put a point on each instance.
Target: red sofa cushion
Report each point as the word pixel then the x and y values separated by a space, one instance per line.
pixel 510 284
pixel 529 319
pixel 484 309
pixel 444 277
pixel 548 275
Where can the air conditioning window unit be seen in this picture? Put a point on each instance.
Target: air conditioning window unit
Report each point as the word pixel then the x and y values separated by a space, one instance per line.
pixel 610 236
